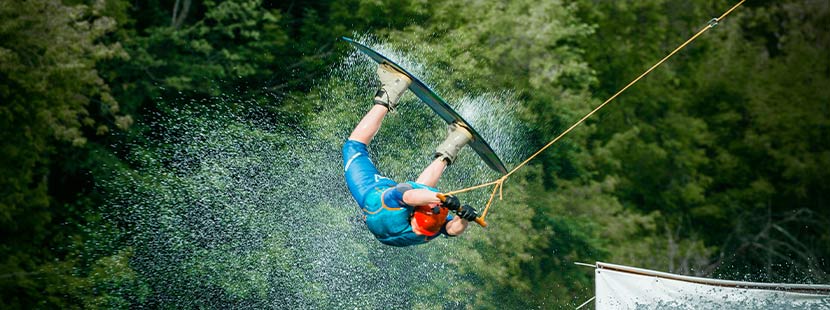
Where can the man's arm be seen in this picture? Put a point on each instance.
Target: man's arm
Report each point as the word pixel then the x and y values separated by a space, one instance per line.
pixel 420 197
pixel 456 226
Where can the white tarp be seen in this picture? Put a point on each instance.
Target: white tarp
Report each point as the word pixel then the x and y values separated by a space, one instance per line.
pixel 622 287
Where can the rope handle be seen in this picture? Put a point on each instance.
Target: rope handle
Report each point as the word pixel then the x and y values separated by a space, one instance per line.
pixel 479 220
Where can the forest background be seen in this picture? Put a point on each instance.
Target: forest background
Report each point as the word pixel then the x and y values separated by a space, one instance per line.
pixel 712 166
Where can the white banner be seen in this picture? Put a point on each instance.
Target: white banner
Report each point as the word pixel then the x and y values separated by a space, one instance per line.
pixel 622 287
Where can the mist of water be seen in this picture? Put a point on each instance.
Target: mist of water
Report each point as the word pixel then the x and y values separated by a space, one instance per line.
pixel 233 205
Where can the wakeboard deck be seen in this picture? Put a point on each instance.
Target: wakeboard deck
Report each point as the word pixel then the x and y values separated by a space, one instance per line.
pixel 440 107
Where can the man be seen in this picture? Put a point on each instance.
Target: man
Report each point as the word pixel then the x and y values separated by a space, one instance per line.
pixel 410 213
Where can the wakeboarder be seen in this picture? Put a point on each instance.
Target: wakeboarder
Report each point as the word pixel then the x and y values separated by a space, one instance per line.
pixel 408 213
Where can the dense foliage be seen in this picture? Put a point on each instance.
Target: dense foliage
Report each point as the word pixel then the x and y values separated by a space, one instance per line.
pixel 714 165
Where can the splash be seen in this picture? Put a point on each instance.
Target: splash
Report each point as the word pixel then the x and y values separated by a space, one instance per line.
pixel 235 204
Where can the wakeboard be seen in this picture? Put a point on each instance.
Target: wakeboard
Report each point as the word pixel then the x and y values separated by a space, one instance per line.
pixel 440 107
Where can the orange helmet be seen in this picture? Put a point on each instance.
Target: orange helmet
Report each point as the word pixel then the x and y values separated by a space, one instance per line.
pixel 429 219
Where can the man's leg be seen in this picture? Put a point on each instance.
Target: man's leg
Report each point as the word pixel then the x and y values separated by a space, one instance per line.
pixel 393 85
pixel 432 173
pixel 445 154
pixel 369 125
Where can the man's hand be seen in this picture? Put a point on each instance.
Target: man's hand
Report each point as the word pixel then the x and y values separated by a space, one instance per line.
pixel 451 202
pixel 468 213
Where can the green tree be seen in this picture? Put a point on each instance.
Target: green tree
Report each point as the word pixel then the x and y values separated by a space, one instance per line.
pixel 703 139
pixel 51 98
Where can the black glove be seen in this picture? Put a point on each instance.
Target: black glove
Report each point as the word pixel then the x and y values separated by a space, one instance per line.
pixel 468 213
pixel 452 203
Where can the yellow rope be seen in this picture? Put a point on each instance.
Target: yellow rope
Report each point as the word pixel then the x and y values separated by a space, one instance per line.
pixel 499 183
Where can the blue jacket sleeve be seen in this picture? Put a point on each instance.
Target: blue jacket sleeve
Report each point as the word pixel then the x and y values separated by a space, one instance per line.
pixel 393 198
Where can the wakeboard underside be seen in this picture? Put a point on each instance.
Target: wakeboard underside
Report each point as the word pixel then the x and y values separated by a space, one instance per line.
pixel 440 107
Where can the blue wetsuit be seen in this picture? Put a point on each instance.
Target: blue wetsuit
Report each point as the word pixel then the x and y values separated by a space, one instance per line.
pixel 381 199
